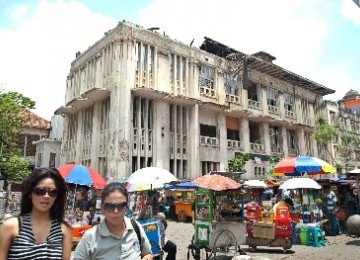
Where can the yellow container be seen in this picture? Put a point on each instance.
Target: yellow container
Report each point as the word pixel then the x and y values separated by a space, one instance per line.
pixel 267 216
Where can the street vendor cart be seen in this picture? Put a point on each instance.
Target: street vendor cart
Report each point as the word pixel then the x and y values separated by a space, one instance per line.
pixel 219 229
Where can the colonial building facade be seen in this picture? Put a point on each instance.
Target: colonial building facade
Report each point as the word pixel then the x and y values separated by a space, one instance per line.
pixel 137 98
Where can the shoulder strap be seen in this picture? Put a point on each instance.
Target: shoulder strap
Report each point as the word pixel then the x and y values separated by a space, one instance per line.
pixel 19 222
pixel 137 230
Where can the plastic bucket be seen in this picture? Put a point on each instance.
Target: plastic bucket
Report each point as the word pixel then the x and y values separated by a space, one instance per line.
pixel 304 236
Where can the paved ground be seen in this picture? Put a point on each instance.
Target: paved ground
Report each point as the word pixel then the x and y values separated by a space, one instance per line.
pixel 340 247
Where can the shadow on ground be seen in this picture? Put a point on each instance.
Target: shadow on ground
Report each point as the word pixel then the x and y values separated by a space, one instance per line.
pixel 353 243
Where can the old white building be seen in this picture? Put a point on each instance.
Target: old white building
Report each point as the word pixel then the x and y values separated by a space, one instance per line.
pixel 137 98
pixel 344 150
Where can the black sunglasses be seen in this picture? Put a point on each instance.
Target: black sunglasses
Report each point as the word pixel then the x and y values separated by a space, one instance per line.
pixel 110 207
pixel 42 191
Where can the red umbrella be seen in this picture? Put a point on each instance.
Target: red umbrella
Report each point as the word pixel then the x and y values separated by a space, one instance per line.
pixel 82 175
pixel 216 182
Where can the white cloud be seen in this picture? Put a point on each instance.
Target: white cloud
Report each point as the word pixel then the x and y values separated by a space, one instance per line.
pixel 350 11
pixel 36 57
pixel 19 12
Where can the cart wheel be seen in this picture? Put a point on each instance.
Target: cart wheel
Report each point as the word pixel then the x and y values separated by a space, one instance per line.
pixel 225 244
pixel 182 216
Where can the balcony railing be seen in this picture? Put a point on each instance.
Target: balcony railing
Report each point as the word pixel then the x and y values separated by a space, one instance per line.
pixel 254 147
pixel 289 114
pixel 209 141
pixel 207 92
pixel 232 99
pixel 254 104
pixel 234 144
pixel 273 110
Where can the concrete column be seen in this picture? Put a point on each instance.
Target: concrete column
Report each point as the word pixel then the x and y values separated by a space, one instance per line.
pixel 245 134
pixel 266 138
pixel 161 135
pixel 263 100
pixel 298 111
pixel 284 141
pixel 194 139
pixel 222 140
pixel 95 136
pixel 281 105
pixel 301 141
pixel 120 112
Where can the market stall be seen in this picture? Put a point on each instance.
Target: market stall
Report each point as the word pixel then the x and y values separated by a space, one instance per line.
pixel 184 195
pixel 219 229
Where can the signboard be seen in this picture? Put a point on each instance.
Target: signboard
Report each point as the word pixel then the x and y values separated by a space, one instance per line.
pixel 152 231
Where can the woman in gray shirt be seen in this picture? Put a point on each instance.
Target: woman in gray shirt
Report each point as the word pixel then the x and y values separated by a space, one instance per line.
pixel 114 237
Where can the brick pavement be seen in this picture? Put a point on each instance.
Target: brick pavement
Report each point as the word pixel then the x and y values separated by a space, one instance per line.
pixel 337 247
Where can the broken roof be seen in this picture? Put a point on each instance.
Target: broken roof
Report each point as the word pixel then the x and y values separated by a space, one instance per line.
pixel 266 67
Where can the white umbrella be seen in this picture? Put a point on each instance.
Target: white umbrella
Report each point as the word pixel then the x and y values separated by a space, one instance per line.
pixel 255 184
pixel 300 183
pixel 149 178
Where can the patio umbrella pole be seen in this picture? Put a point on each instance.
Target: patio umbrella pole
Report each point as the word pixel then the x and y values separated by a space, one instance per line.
pixel 75 197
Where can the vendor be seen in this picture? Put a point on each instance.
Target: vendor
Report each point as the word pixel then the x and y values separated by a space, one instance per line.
pixel 92 218
pixel 283 203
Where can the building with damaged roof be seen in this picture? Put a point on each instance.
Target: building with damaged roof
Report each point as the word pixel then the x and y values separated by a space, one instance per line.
pixel 137 98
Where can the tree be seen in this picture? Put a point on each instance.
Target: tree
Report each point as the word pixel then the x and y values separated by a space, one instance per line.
pixel 325 134
pixel 13 168
pixel 273 161
pixel 237 163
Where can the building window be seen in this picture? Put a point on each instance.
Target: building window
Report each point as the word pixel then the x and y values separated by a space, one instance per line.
pixel 52 160
pixel 291 139
pixel 288 102
pixel 274 136
pixel 207 77
pixel 230 85
pixel 207 167
pixel 39 160
pixel 272 96
pixel 233 135
pixel 252 92
pixel 207 130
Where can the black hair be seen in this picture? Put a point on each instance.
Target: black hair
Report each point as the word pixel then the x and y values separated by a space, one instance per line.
pixel 57 211
pixel 111 187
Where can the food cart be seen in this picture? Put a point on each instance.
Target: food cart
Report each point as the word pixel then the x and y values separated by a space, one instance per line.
pixel 219 229
pixel 271 234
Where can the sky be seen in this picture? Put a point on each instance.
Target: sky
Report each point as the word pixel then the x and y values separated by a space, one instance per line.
pixel 317 39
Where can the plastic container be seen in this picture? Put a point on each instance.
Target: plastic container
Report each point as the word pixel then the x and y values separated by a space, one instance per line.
pixel 283 228
pixel 253 213
pixel 304 236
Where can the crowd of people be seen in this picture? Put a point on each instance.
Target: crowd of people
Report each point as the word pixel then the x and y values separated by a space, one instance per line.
pixel 43 228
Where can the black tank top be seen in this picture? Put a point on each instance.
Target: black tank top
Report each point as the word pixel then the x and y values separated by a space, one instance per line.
pixel 24 246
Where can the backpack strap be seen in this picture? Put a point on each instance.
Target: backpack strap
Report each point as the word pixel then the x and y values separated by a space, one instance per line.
pixel 137 230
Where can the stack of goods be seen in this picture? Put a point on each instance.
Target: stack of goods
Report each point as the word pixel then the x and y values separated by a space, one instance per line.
pixel 267 215
pixel 252 214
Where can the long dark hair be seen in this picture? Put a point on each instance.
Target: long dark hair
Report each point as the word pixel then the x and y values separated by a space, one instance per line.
pixel 57 211
pixel 111 187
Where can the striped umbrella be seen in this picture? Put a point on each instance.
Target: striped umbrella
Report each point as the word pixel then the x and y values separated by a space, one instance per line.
pixel 298 166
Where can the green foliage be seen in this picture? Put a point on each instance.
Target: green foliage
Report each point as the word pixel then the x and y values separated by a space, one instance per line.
pixel 273 161
pixel 15 169
pixel 237 163
pixel 325 133
pixel 12 104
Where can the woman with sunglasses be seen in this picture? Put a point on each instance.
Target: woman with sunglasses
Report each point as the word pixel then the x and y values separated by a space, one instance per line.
pixel 115 236
pixel 40 231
